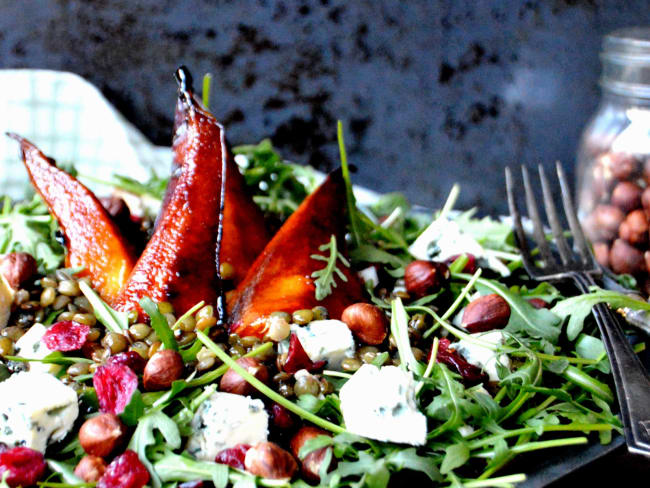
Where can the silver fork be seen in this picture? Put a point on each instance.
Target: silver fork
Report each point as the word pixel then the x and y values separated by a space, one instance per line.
pixel 630 377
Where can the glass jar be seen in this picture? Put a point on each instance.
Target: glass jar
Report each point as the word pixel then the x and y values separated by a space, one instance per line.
pixel 614 158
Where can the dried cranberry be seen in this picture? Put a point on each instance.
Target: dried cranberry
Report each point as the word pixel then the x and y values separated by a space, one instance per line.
pixel 234 456
pixel 114 385
pixel 282 418
pixel 125 471
pixel 538 303
pixel 129 358
pixel 470 266
pixel 24 465
pixel 297 358
pixel 66 336
pixel 470 373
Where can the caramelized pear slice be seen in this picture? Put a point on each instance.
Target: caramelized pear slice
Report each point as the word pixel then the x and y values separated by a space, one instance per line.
pixel 92 239
pixel 244 231
pixel 179 263
pixel 280 279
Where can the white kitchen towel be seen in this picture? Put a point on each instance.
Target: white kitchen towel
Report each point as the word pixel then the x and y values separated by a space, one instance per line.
pixel 70 121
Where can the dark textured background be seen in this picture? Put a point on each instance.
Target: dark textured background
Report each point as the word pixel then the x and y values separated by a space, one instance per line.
pixel 431 92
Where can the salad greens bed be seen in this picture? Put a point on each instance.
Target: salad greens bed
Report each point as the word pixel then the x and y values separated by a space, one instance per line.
pixel 555 393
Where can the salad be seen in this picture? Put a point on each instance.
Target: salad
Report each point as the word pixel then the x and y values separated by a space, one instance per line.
pixel 247 323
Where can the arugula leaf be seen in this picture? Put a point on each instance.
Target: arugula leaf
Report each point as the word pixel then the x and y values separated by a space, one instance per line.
pixel 324 278
pixel 578 307
pixel 29 227
pixel 154 188
pixel 159 323
pixel 175 467
pixel 278 187
pixel 112 319
pixel 409 459
pixel 144 437
pixel 349 194
pixel 399 330
pixel 133 410
pixel 456 455
pixel 590 347
pixel 66 471
pixel 370 254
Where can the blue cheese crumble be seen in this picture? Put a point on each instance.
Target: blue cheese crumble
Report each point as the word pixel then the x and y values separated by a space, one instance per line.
pixel 37 409
pixel 380 404
pixel 224 420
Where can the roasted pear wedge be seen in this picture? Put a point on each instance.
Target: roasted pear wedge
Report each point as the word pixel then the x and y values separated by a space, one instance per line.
pixel 179 263
pixel 245 233
pixel 280 279
pixel 92 239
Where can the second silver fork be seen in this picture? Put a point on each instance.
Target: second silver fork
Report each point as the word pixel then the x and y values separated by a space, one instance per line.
pixel 630 377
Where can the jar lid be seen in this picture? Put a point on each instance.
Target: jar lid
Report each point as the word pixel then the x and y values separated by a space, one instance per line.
pixel 626 62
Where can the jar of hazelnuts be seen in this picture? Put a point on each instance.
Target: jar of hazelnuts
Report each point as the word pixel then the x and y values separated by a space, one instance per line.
pixel 614 159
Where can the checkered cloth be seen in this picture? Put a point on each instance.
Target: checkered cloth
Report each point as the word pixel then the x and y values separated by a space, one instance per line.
pixel 69 120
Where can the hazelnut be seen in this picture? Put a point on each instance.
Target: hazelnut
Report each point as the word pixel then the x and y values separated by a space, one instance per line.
pixel 627 196
pixel 17 268
pixel 101 435
pixel 601 253
pixel 646 170
pixel 634 229
pixel 269 460
pixel 624 258
pixel 425 277
pixel 608 219
pixel 486 313
pixel 90 468
pixel 232 382
pixel 162 369
pixel 622 166
pixel 645 200
pixel 367 322
pixel 312 462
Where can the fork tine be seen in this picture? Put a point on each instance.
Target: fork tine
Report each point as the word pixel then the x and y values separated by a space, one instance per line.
pixel 538 227
pixel 520 234
pixel 569 210
pixel 553 219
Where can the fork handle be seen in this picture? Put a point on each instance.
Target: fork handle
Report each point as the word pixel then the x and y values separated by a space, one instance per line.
pixel 630 377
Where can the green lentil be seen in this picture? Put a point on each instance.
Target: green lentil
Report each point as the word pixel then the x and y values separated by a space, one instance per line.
pixel 302 317
pixel 320 313
pixel 6 346
pixel 69 288
pixel 350 364
pixel 78 368
pixel 284 315
pixel 47 297
pixel 165 308
pixel 306 385
pixel 139 331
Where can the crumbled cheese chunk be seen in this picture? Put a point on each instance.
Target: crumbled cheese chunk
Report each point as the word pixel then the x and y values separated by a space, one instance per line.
pixel 484 357
pixel 224 420
pixel 36 409
pixel 329 340
pixel 6 299
pixel 380 404
pixel 31 346
pixel 369 275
